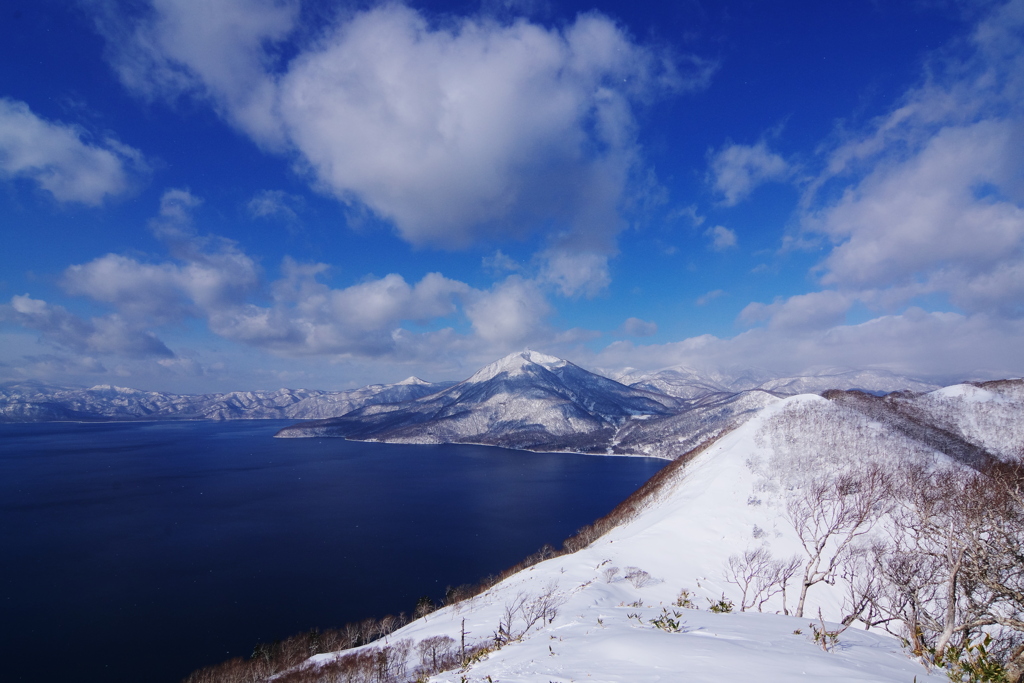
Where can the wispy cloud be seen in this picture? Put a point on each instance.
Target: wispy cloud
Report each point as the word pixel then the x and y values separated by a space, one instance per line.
pixel 925 200
pixel 635 327
pixel 736 170
pixel 722 238
pixel 275 204
pixel 705 299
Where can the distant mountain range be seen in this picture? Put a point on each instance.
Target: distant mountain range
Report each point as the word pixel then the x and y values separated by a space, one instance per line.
pixel 30 402
pixel 526 400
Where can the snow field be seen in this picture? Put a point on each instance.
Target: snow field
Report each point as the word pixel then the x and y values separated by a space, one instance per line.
pixel 603 629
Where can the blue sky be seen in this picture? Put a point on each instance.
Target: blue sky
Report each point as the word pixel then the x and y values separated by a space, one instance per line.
pixel 259 193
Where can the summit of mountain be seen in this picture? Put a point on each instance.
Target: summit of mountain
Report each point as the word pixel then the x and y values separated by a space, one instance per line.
pixel 525 400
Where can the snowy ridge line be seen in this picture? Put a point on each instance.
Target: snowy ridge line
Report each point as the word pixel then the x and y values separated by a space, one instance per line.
pixel 901 416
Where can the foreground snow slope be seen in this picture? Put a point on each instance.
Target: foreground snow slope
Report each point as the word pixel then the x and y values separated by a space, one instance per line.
pixel 723 502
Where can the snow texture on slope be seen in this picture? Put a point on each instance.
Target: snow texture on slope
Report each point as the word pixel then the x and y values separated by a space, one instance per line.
pixel 729 498
pixel 525 400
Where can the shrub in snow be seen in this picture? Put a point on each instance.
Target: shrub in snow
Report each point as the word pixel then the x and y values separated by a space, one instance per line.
pixel 638 577
pixel 609 574
pixel 721 606
pixel 669 621
pixel 685 600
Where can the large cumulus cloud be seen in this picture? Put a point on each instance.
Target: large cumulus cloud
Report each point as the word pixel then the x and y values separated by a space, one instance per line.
pixel 455 131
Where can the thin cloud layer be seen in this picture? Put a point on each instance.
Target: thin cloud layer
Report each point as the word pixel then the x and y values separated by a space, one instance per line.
pixel 59 327
pixel 943 347
pixel 61 158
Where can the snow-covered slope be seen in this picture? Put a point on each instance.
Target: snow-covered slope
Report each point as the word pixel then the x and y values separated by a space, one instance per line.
pixel 604 603
pixel 990 414
pixel 29 402
pixel 525 400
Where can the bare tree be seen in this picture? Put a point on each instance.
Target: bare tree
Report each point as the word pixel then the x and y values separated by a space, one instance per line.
pixel 829 514
pixel 952 571
pixel 995 563
pixel 638 577
pixel 859 573
pixel 609 574
pixel 522 613
pixel 760 577
pixel 437 653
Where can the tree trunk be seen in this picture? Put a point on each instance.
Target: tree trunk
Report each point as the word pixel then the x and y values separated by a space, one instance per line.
pixel 803 598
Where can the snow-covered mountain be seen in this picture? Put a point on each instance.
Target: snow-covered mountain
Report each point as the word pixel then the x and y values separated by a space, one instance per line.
pixel 525 400
pixel 627 600
pixel 30 402
pixel 532 401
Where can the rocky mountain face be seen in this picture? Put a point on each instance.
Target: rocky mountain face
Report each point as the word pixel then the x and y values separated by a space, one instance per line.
pixel 29 402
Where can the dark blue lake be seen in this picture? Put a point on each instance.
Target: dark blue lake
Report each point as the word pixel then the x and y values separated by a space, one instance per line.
pixel 141 551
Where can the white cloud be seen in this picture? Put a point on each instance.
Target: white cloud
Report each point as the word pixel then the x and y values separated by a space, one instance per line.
pixel 635 327
pixel 62 159
pixel 722 238
pixel 110 334
pixel 455 132
pixel 931 195
pixel 911 218
pixel 737 169
pixel 813 311
pixel 221 51
pixel 211 279
pixel 476 129
pixel 210 273
pixel 574 273
pixel 500 263
pixel 509 314
pixel 927 199
pixel 690 213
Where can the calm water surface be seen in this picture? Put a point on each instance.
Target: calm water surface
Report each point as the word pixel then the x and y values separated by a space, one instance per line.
pixel 141 551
